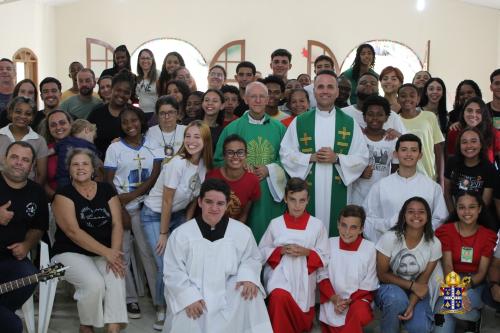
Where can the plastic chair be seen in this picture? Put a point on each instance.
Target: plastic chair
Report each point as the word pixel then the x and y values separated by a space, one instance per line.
pixel 47 293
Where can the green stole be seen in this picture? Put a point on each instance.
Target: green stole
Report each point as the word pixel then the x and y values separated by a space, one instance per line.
pixel 344 126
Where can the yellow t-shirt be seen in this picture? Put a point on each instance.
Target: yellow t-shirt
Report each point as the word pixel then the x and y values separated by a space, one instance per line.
pixel 426 127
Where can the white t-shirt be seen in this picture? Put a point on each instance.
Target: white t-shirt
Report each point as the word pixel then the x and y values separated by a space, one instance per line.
pixel 381 158
pixel 132 166
pixel 183 176
pixel 159 139
pixel 146 92
pixel 408 263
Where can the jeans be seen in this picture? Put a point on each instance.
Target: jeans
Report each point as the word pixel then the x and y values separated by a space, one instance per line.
pixel 473 315
pixel 151 226
pixel 393 301
pixel 12 269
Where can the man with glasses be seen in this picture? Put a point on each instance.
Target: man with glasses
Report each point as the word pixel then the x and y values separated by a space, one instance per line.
pixel 263 136
pixel 245 188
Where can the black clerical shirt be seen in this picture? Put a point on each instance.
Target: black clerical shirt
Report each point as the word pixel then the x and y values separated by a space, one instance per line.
pixel 212 233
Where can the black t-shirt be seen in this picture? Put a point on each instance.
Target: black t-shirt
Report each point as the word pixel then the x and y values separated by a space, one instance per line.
pixel 108 127
pixel 240 109
pixel 464 178
pixel 93 216
pixel 39 117
pixel 31 211
pixel 4 101
pixel 495 116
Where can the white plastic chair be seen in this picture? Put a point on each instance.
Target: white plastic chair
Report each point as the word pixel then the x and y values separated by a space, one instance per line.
pixel 47 293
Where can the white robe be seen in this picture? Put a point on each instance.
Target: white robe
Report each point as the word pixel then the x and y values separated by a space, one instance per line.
pixel 291 273
pixel 297 164
pixel 394 121
pixel 387 196
pixel 348 272
pixel 197 269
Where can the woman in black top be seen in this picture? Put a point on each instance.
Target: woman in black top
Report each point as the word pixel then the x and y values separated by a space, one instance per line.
pixel 89 240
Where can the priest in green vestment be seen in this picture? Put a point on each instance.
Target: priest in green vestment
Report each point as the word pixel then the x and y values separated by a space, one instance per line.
pixel 263 136
pixel 325 146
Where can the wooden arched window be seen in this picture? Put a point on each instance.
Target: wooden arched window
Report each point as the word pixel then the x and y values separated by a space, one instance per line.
pixel 314 50
pixel 99 55
pixel 26 64
pixel 229 56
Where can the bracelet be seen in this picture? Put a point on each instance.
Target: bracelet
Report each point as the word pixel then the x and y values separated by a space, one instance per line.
pixel 411 285
pixel 164 233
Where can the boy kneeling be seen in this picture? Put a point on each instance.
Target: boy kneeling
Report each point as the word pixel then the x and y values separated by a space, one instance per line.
pixel 347 284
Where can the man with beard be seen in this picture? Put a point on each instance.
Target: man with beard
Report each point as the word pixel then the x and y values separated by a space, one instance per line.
pixel 50 93
pixel 23 220
pixel 327 148
pixel 368 86
pixel 79 106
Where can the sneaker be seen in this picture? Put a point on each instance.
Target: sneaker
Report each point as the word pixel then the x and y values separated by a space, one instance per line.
pixel 133 310
pixel 160 320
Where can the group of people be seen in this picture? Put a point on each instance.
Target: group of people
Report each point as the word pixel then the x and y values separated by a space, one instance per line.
pixel 279 188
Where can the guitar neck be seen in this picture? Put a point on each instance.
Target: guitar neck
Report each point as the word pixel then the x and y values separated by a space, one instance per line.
pixel 19 283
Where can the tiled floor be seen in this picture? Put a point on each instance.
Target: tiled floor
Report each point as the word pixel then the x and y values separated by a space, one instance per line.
pixel 65 318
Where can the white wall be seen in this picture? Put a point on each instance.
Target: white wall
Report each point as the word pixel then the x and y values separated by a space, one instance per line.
pixel 464 38
pixel 29 24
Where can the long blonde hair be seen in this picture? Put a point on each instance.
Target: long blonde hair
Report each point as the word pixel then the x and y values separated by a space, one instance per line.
pixel 206 136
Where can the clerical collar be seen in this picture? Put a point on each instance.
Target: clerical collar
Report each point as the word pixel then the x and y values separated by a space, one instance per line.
pixel 254 121
pixel 297 223
pixel 325 113
pixel 354 246
pixel 212 233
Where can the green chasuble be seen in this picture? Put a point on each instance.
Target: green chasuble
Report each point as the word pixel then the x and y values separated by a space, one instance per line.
pixel 263 144
pixel 343 137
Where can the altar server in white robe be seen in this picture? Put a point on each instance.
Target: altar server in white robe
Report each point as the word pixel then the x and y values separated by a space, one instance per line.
pixel 326 147
pixel 347 285
pixel 294 245
pixel 386 197
pixel 212 271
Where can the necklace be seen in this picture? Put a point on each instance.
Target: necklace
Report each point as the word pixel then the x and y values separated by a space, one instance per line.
pixel 168 149
pixel 88 191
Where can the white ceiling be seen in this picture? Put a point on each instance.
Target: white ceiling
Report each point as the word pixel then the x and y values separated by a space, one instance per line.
pixel 486 3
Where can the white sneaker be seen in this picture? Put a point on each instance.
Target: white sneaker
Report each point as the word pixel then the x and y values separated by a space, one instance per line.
pixel 160 321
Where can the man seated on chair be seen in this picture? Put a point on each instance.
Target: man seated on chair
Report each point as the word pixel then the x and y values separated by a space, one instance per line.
pixel 23 220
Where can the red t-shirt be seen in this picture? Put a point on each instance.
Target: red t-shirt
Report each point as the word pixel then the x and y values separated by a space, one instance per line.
pixel 287 121
pixel 243 190
pixel 226 122
pixel 483 242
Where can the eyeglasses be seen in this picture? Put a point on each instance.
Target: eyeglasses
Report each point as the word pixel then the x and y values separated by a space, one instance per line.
pixel 61 122
pixel 215 74
pixel 166 114
pixel 238 153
